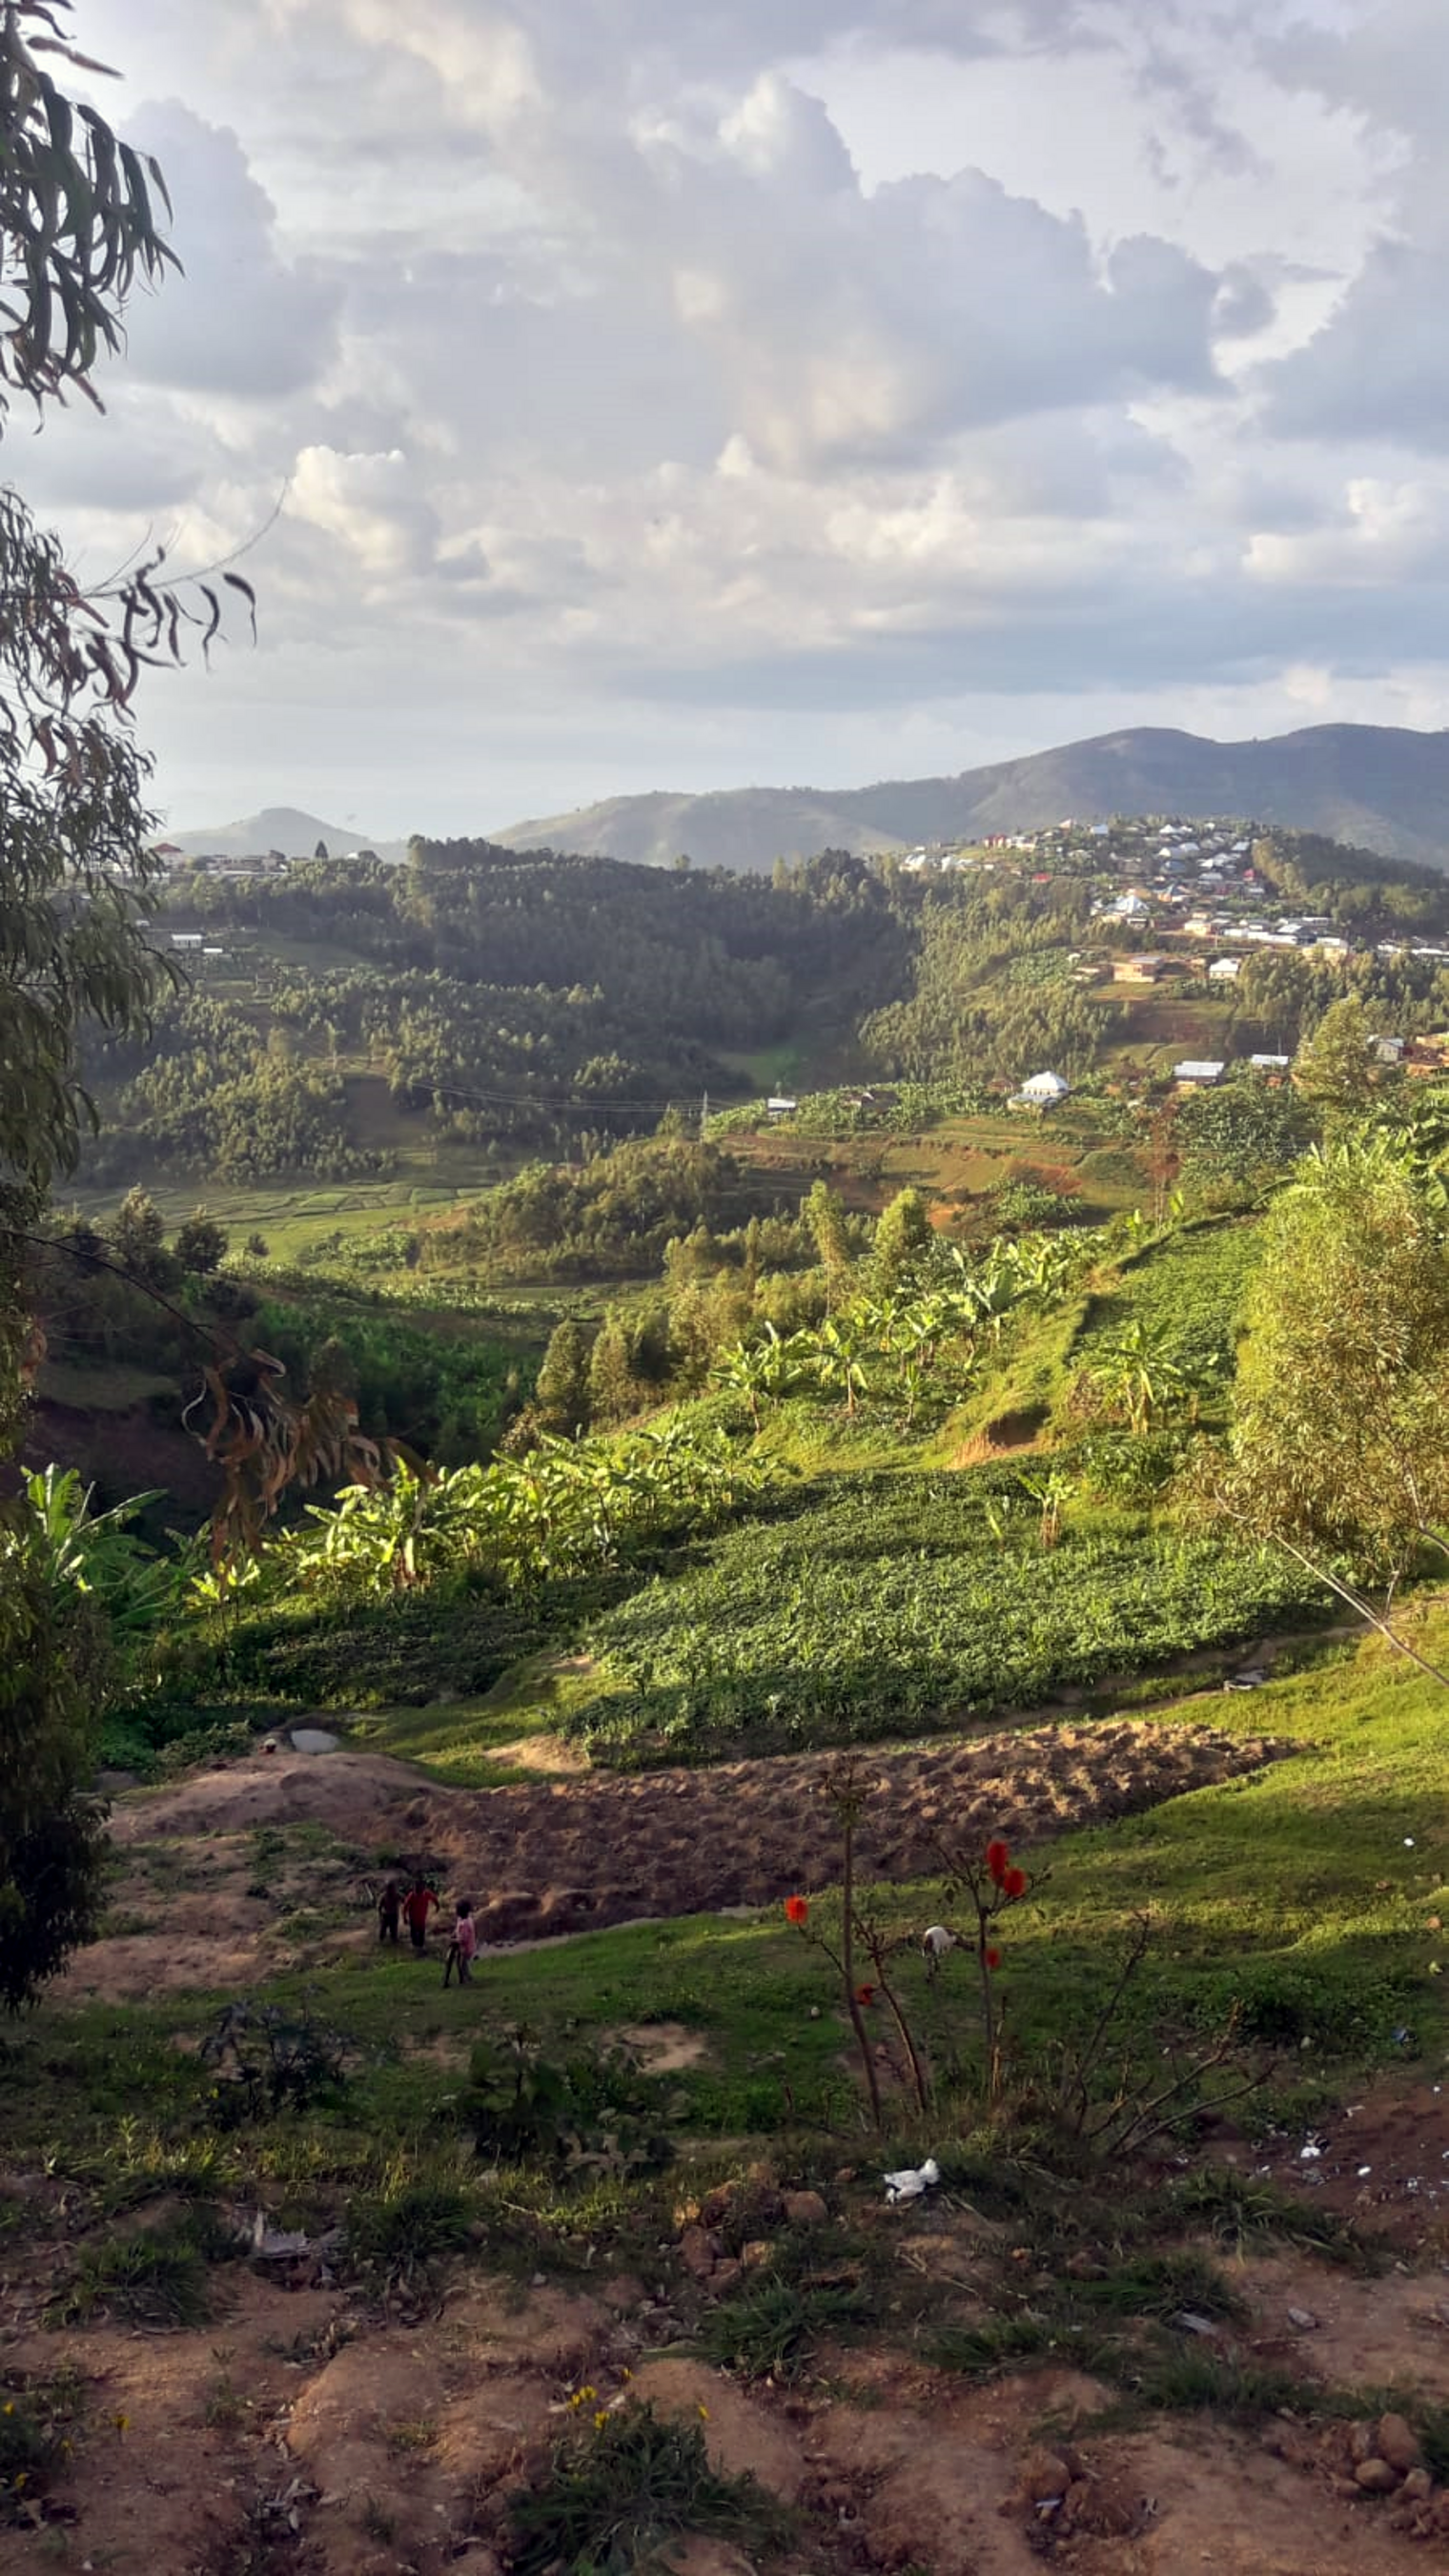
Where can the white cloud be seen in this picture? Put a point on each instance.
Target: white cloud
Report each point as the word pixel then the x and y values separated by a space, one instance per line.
pixel 677 385
pixel 241 318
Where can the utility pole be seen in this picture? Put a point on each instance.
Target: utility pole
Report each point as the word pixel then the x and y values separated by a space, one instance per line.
pixel 703 1112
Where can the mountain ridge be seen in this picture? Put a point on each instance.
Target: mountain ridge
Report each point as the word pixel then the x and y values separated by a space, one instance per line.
pixel 287 828
pixel 1376 787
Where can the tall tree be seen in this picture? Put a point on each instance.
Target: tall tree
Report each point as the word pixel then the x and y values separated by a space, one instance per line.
pixel 138 1237
pixel 613 1393
pixel 1332 1068
pixel 562 1396
pixel 200 1245
pixel 823 1210
pixel 78 229
pixel 902 1236
pixel 1337 1442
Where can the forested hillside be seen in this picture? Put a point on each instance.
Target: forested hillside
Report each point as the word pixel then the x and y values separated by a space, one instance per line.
pixel 438 1025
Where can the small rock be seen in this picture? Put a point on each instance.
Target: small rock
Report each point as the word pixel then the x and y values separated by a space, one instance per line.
pixel 696 2253
pixel 1361 2442
pixel 758 2252
pixel 1303 2320
pixel 1398 2444
pixel 726 2277
pixel 1376 2477
pixel 716 2205
pixel 1192 2324
pixel 623 2293
pixel 1418 2486
pixel 805 2209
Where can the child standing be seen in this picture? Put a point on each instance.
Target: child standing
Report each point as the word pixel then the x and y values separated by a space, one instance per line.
pixel 417 1906
pixel 389 1908
pixel 463 1948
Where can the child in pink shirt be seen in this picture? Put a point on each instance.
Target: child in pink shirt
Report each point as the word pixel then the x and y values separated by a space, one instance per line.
pixel 463 1948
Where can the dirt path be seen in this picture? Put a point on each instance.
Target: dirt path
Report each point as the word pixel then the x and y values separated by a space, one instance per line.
pixel 584 1851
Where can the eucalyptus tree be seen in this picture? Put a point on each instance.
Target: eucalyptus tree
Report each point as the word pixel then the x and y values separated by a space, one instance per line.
pixel 81 225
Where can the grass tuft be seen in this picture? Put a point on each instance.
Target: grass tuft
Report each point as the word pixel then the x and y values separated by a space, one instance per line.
pixel 771 2328
pixel 615 2496
pixel 154 2279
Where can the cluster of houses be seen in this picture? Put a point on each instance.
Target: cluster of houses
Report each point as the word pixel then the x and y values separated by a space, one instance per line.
pixel 1188 881
pixel 1195 1073
pixel 195 949
pixel 222 866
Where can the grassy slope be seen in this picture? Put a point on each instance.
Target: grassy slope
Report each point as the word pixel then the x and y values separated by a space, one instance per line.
pixel 1302 1895
pixel 1305 1891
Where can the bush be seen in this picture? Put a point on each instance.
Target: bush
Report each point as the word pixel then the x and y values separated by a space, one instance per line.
pixel 265 2060
pixel 595 2115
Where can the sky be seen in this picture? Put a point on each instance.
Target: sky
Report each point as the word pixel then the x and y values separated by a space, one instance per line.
pixel 623 394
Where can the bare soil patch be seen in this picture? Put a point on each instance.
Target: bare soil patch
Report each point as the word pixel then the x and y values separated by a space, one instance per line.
pixel 397 2442
pixel 1381 2160
pixel 664 2047
pixel 581 1852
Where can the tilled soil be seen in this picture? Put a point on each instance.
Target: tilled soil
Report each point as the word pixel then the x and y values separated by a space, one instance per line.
pixel 584 1851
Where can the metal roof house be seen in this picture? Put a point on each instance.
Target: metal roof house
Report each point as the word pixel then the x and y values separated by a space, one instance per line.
pixel 1192 1071
pixel 1043 1091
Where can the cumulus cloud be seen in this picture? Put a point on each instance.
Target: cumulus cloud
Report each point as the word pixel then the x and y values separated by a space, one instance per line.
pixel 611 391
pixel 241 319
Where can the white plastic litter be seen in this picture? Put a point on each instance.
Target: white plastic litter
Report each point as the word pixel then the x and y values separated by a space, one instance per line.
pixel 913 2180
pixel 937 1940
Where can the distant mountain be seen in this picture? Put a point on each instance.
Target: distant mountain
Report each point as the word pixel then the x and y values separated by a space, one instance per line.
pixel 1377 787
pixel 734 827
pixel 280 827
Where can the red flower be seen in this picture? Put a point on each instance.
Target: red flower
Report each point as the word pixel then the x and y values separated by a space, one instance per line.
pixel 993 1958
pixel 1014 1883
pixel 797 1909
pixel 865 1994
pixel 997 1859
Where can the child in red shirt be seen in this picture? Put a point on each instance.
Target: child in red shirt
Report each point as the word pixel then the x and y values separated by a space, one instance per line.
pixel 417 1906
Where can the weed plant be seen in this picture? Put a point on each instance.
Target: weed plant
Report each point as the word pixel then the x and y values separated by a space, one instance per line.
pixel 618 2493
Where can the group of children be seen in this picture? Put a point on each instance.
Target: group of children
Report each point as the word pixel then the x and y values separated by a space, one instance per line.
pixel 396 1907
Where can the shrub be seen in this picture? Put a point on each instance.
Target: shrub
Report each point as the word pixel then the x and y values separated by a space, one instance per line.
pixel 265 2060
